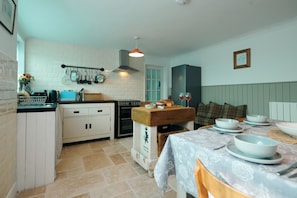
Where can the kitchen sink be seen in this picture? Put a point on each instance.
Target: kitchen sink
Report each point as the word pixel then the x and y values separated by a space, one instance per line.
pixel 36 106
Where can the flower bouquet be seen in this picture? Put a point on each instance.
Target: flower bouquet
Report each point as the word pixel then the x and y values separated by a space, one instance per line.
pixel 24 79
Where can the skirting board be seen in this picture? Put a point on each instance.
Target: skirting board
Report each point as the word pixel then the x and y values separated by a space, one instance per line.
pixel 12 192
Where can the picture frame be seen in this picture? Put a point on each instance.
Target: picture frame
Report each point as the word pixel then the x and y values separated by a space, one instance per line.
pixel 242 58
pixel 7 14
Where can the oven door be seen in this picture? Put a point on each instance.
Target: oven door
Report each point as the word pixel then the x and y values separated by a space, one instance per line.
pixel 125 112
pixel 126 127
pixel 125 123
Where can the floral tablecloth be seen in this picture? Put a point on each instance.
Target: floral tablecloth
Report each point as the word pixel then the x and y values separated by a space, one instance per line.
pixel 181 150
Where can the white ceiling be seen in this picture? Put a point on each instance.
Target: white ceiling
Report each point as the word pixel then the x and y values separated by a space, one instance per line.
pixel 165 28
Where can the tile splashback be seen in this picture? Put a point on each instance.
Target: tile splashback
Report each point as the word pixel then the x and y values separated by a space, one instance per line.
pixel 44 59
pixel 8 104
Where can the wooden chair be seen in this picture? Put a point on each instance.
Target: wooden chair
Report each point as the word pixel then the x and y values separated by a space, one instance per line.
pixel 206 182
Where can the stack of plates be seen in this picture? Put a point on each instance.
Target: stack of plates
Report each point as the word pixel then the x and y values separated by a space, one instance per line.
pixel 227 125
pixel 236 130
pixel 257 120
pixel 233 150
pixel 254 148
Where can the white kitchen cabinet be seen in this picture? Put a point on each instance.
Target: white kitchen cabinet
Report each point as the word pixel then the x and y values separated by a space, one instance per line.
pixel 59 142
pixel 36 143
pixel 87 121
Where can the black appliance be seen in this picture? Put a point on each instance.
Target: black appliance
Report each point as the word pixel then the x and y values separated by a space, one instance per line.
pixel 186 78
pixel 124 123
pixel 53 96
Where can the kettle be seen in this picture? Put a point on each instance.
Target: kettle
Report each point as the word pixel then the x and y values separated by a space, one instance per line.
pixel 53 96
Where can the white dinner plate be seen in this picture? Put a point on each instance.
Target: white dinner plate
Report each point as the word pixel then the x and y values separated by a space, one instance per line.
pixel 237 130
pixel 233 150
pixel 257 123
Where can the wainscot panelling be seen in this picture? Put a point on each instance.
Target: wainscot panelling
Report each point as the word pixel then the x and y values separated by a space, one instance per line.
pixel 256 96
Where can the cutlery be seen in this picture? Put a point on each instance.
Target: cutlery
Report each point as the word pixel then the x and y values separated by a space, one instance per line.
pixel 284 171
pixel 293 175
pixel 217 148
pixel 217 131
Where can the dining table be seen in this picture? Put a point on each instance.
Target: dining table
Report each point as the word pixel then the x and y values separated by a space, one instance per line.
pixel 255 177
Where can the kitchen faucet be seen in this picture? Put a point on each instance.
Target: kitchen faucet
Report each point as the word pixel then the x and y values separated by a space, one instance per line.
pixel 81 95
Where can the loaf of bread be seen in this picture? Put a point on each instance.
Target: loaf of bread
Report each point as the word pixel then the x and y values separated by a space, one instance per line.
pixel 166 102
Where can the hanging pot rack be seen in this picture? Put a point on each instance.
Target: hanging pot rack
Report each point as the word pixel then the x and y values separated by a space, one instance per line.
pixel 92 68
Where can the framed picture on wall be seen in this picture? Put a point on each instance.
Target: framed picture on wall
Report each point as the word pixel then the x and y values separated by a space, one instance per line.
pixel 242 58
pixel 7 14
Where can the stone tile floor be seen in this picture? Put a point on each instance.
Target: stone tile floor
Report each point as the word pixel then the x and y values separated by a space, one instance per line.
pixel 100 169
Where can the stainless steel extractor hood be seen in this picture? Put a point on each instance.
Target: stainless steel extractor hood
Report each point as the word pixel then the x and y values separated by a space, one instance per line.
pixel 124 63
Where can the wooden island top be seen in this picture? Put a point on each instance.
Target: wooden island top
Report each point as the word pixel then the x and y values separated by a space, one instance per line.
pixel 168 115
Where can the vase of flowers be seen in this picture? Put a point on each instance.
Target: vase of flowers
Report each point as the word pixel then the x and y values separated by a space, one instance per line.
pixel 24 79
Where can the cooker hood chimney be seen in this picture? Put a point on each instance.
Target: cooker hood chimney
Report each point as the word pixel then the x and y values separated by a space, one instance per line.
pixel 124 63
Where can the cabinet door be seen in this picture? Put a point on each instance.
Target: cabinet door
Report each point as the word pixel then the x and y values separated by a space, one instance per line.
pixel 36 149
pixel 99 124
pixel 75 127
pixel 178 82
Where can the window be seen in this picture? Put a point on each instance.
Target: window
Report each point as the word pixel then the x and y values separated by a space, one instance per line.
pixel 20 55
pixel 153 83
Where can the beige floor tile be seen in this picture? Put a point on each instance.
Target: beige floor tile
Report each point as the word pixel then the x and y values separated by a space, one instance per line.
pixel 100 169
pixel 118 173
pixel 126 154
pixel 111 190
pixel 61 175
pixel 115 149
pixel 126 195
pixel 75 172
pixel 32 192
pixel 56 188
pixel 169 194
pixel 68 164
pixel 144 186
pixel 117 159
pixel 97 146
pixel 77 150
pixel 87 180
pixel 172 182
pixel 39 196
pixel 96 161
pixel 85 195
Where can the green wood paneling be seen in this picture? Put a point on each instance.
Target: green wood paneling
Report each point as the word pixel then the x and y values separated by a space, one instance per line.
pixel 293 91
pixel 256 96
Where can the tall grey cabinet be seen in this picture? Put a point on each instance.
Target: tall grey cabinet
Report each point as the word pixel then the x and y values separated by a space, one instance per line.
pixel 186 78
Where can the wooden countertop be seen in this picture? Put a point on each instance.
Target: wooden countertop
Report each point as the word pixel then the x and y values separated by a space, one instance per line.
pixel 157 117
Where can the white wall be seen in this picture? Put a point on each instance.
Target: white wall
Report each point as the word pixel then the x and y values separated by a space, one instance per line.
pixel 8 102
pixel 273 57
pixel 44 59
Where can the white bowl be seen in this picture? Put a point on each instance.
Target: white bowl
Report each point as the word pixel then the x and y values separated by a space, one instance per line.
pixel 257 146
pixel 226 123
pixel 289 128
pixel 256 118
pixel 150 106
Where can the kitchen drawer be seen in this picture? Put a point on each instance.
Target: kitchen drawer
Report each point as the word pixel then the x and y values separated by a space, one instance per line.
pixel 72 112
pixel 99 110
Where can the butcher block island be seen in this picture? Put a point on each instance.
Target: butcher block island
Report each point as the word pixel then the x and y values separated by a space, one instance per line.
pixel 148 128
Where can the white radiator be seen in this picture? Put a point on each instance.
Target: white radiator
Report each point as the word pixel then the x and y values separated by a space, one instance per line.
pixel 285 111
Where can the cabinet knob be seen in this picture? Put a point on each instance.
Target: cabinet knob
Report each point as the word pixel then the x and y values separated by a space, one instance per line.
pixel 100 110
pixel 75 111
